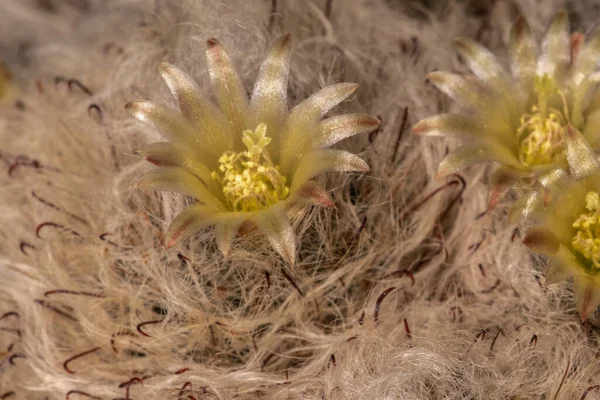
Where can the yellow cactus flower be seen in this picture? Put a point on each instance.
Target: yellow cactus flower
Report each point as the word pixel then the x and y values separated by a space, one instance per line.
pixel 246 159
pixel 568 229
pixel 518 119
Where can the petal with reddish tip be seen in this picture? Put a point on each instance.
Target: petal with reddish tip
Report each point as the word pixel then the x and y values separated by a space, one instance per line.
pixel 581 157
pixel 177 180
pixel 476 153
pixel 586 61
pixel 168 122
pixel 318 161
pixel 275 225
pixel 452 125
pixel 332 130
pixel 461 90
pixel 226 227
pixel 523 51
pixel 188 222
pixel 200 111
pixel 165 154
pixel 541 240
pixel 480 61
pixel 312 193
pixel 269 97
pixel 556 50
pixel 500 183
pixel 227 86
pixel 587 295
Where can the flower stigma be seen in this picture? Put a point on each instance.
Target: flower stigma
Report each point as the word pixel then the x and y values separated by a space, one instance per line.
pixel 587 239
pixel 541 133
pixel 249 180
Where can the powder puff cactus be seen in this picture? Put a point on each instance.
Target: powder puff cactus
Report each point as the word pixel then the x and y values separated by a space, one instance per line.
pixel 518 119
pixel 246 160
pixel 569 224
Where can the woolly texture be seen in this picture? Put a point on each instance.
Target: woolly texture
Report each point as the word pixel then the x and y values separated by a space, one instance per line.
pixel 406 290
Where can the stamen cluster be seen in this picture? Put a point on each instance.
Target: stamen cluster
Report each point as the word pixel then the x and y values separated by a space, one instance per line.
pixel 587 239
pixel 249 179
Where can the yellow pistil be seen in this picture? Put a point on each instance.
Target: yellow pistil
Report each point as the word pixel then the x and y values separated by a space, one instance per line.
pixel 541 133
pixel 587 239
pixel 249 179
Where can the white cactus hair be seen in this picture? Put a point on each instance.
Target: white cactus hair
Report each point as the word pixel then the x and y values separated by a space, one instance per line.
pixel 405 290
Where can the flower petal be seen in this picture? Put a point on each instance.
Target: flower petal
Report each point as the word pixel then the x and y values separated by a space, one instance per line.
pixel 541 240
pixel 587 295
pixel 165 154
pixel 587 61
pixel 275 225
pixel 591 131
pixel 500 183
pixel 319 104
pixel 226 227
pixel 461 90
pixel 556 49
pixel 198 109
pixel 305 117
pixel 319 161
pixel 581 157
pixel 177 180
pixel 476 153
pixel 228 87
pixel 452 125
pixel 168 122
pixel 523 51
pixel 480 61
pixel 313 193
pixel 334 129
pixel 269 98
pixel 188 222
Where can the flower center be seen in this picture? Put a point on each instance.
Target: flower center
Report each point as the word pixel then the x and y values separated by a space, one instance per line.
pixel 587 239
pixel 249 180
pixel 541 133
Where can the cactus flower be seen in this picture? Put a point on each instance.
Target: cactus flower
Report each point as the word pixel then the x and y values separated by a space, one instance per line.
pixel 246 160
pixel 568 224
pixel 518 118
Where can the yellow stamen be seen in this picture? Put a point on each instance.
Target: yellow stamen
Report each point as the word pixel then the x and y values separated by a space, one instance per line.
pixel 541 133
pixel 250 181
pixel 587 239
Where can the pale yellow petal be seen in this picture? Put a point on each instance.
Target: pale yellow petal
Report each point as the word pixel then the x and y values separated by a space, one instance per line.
pixel 591 130
pixel 530 205
pixel 587 295
pixel 164 154
pixel 451 125
pixel 226 227
pixel 188 222
pixel 213 129
pixel 523 52
pixel 269 97
pixel 177 180
pixel 463 91
pixel 166 121
pixel 227 86
pixel 480 61
pixel 275 225
pixel 318 161
pixel 581 157
pixel 334 129
pixel 587 61
pixel 556 49
pixel 476 153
